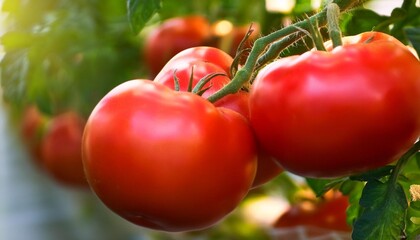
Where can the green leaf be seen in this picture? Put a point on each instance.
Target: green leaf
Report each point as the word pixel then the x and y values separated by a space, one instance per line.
pixel 413 220
pixel 14 71
pixel 14 40
pixel 413 35
pixel 384 207
pixel 140 12
pixel 353 189
pixel 363 20
pixel 374 174
pixel 321 186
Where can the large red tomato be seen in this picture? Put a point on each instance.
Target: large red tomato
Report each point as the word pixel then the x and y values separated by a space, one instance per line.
pixel 61 149
pixel 331 114
pixel 167 160
pixel 173 36
pixel 195 63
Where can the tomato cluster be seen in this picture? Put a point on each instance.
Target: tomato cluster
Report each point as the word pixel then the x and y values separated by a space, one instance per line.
pixel 156 156
pixel 161 156
pixel 55 145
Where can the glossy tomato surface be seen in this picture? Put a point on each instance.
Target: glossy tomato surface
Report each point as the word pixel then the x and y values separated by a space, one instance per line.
pixel 331 114
pixel 167 160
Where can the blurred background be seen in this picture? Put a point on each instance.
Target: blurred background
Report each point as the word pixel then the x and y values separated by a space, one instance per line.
pixel 59 56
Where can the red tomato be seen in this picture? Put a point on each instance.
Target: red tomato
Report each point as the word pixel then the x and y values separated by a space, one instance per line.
pixel 236 36
pixel 32 127
pixel 61 149
pixel 199 54
pixel 203 61
pixel 167 160
pixel 327 214
pixel 337 113
pixel 173 36
pixel 197 70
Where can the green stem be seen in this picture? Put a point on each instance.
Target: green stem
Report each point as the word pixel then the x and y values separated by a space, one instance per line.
pixel 403 160
pixel 315 34
pixel 245 74
pixel 333 15
pixel 276 48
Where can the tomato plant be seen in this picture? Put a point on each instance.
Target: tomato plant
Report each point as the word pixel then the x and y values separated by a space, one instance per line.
pixel 173 36
pixel 337 113
pixel 61 149
pixel 167 160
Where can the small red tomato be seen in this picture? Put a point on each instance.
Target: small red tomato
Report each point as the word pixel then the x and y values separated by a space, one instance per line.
pixel 199 54
pixel 32 130
pixel 328 214
pixel 173 36
pixel 61 149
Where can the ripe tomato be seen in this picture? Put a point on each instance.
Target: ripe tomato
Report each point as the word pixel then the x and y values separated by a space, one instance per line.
pixel 198 63
pixel 173 36
pixel 331 114
pixel 197 70
pixel 329 213
pixel 167 160
pixel 198 54
pixel 61 149
pixel 32 127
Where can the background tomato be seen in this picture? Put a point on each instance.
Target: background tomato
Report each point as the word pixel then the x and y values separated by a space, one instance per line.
pixel 32 130
pixel 173 36
pixel 331 114
pixel 327 213
pixel 229 41
pixel 167 160
pixel 61 149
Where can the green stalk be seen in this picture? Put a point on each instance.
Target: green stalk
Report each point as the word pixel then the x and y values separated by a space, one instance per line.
pixel 333 15
pixel 403 161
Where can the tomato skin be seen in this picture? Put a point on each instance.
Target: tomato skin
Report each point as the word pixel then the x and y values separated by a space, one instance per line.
pixel 167 160
pixel 61 149
pixel 198 70
pixel 328 214
pixel 192 55
pixel 332 114
pixel 173 36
